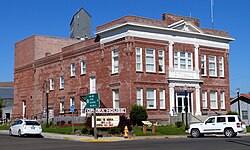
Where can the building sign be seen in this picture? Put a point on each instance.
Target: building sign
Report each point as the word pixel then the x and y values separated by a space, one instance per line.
pixel 106 121
pixel 92 100
pixel 107 110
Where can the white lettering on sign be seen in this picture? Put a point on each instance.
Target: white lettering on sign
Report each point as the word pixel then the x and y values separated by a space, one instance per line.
pixel 107 110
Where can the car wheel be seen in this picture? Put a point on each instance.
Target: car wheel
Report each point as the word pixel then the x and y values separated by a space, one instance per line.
pixel 10 132
pixel 19 133
pixel 195 133
pixel 229 133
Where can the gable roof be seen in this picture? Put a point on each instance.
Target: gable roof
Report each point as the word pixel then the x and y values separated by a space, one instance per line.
pixel 82 9
pixel 242 97
pixel 185 26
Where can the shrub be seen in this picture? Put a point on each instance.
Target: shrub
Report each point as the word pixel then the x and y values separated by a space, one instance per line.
pixel 124 121
pixel 232 113
pixel 88 122
pixel 69 122
pixel 114 130
pixel 62 122
pixel 138 114
pixel 58 123
pixel 179 124
pixel 85 130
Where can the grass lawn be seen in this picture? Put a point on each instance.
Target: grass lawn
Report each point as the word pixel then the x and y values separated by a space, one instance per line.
pixel 4 127
pixel 160 130
pixel 248 129
pixel 61 130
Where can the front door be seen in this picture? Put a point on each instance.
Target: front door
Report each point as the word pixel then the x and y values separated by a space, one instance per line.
pixel 180 102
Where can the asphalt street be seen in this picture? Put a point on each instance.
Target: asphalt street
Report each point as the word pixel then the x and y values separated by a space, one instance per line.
pixel 205 143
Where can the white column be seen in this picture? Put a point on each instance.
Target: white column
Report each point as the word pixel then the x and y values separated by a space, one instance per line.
pixel 197 97
pixel 170 54
pixel 196 56
pixel 171 99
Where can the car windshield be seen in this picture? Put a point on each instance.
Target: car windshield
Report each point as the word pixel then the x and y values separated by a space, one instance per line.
pixel 32 123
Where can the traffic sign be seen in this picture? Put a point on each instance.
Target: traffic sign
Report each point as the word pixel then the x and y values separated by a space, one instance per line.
pixel 92 100
pixel 72 108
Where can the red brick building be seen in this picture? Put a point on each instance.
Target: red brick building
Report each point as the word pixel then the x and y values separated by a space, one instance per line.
pixel 132 60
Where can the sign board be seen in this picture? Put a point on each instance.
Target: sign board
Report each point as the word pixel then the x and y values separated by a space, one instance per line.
pixel 72 108
pixel 106 121
pixel 92 100
pixel 107 110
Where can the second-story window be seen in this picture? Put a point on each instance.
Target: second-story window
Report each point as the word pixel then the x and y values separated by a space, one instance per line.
pixel 73 70
pixel 138 59
pixel 161 61
pixel 83 67
pixel 61 82
pixel 203 65
pixel 115 61
pixel 221 66
pixel 212 66
pixel 150 60
pixel 183 60
pixel 51 84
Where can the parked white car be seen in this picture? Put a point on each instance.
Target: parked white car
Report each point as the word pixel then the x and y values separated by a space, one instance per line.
pixel 25 127
pixel 229 125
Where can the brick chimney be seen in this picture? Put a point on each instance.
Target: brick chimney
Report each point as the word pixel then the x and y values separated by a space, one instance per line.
pixel 170 19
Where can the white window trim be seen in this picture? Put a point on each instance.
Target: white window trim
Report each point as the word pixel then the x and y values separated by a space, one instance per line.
pixel 222 100
pixel 73 70
pixel 154 99
pixel 83 68
pixel 205 65
pixel 51 84
pixel 61 82
pixel 62 105
pixel 140 60
pixel 221 62
pixel 114 100
pixel 141 94
pixel 113 62
pixel 163 60
pixel 204 101
pixel 186 60
pixel 149 55
pixel 215 67
pixel 163 100
pixel 216 100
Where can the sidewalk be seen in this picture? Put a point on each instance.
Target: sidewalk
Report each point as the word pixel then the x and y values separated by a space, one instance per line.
pixel 110 139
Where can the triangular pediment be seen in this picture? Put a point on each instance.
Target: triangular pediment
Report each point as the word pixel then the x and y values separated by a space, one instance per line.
pixel 186 26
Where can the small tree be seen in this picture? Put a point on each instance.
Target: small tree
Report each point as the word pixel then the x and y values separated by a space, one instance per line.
pixel 138 114
pixel 1 106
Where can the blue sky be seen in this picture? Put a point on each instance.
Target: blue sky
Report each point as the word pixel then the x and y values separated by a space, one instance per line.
pixel 23 18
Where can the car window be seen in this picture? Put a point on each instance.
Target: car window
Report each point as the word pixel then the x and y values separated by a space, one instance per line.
pixel 221 119
pixel 211 120
pixel 32 123
pixel 231 119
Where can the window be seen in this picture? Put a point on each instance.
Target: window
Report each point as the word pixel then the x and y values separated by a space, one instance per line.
pixel 151 101
pixel 92 85
pixel 212 66
pixel 211 120
pixel 221 119
pixel 183 60
pixel 116 103
pixel 51 84
pixel 213 100
pixel 150 60
pixel 61 82
pixel 83 67
pixel 139 97
pixel 221 66
pixel 244 114
pixel 204 99
pixel 73 70
pixel 138 59
pixel 62 107
pixel 203 65
pixel 161 61
pixel 24 109
pixel 222 100
pixel 231 119
pixel 72 101
pixel 162 99
pixel 115 61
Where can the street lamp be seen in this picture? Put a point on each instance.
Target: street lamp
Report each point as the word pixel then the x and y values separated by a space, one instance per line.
pixel 238 98
pixel 47 103
pixel 186 106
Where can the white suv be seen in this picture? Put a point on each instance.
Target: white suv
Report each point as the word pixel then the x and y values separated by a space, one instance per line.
pixel 229 125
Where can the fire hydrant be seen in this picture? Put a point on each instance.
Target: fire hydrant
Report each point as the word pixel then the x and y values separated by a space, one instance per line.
pixel 125 132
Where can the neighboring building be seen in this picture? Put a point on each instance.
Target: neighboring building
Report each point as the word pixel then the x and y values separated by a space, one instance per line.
pixel 80 25
pixel 132 60
pixel 7 94
pixel 244 101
